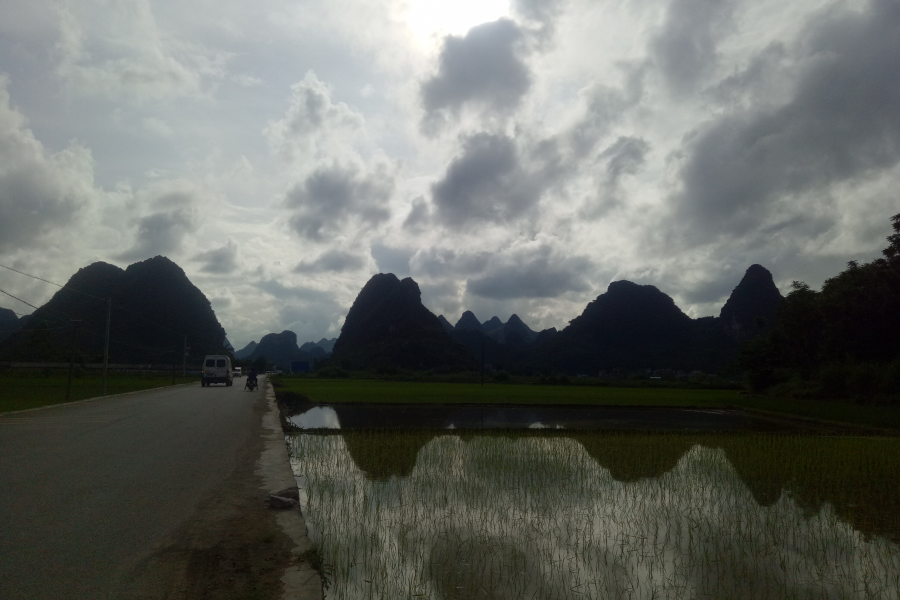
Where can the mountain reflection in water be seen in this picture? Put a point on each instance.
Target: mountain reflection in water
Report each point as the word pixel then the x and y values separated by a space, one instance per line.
pixel 533 513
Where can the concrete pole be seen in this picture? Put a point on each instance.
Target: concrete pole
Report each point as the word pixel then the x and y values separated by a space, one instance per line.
pixel 482 363
pixel 184 361
pixel 106 344
pixel 72 359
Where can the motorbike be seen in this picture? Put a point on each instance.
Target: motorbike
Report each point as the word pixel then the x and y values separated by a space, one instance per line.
pixel 251 384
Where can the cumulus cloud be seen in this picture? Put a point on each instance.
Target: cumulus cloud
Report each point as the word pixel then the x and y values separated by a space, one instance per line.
pixel 332 261
pixel 686 47
pixel 39 191
pixel 162 232
pixel 538 15
pixel 484 183
pixel 437 262
pixel 483 69
pixel 124 54
pixel 391 260
pixel 533 272
pixel 840 123
pixel 623 157
pixel 314 126
pixel 220 260
pixel 335 196
pixel 419 215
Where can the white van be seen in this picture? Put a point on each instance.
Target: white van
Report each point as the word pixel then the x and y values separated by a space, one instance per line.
pixel 216 369
pixel 236 372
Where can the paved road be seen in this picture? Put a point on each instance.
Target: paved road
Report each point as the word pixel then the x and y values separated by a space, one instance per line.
pixel 89 490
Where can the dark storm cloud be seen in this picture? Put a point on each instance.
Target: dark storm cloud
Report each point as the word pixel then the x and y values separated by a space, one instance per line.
pixel 294 294
pixel 535 273
pixel 220 260
pixel 419 215
pixel 685 49
pixel 483 69
pixel 444 262
pixel 334 196
pixel 161 233
pixel 841 123
pixel 33 201
pixel 623 157
pixel 484 183
pixel 392 260
pixel 334 261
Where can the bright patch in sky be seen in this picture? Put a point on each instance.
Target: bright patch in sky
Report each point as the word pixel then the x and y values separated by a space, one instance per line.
pixel 427 17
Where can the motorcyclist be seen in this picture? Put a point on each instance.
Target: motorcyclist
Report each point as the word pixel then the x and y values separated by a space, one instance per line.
pixel 251 377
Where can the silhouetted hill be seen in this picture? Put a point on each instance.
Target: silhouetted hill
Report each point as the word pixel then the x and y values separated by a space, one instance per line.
pixel 468 321
pixel 448 327
pixel 514 328
pixel 629 327
pixel 753 305
pixel 10 322
pixel 246 351
pixel 154 306
pixel 327 345
pixel 388 325
pixel 492 325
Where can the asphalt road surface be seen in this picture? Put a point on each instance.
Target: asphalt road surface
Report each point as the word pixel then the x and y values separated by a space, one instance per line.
pixel 89 491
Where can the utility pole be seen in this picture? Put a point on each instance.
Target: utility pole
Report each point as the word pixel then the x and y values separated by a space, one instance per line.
pixel 184 360
pixel 482 363
pixel 106 343
pixel 72 359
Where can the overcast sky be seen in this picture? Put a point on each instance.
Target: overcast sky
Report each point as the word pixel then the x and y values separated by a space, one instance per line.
pixel 510 157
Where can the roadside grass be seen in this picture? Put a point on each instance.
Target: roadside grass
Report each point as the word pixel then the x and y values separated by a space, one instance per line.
pixel 332 391
pixel 335 391
pixel 32 390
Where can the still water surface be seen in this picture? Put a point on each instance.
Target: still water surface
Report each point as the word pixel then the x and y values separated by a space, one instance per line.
pixel 419 514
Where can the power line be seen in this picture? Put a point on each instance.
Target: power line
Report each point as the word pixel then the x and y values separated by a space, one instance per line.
pixel 20 300
pixel 86 294
pixel 32 276
pixel 64 287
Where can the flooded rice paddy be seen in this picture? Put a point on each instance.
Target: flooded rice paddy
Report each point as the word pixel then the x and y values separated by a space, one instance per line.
pixel 546 514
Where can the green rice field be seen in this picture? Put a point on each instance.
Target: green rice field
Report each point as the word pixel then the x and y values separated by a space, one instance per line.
pixel 32 390
pixel 333 391
pixel 329 391
pixel 432 514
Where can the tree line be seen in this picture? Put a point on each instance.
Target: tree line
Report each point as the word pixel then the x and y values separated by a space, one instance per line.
pixel 840 342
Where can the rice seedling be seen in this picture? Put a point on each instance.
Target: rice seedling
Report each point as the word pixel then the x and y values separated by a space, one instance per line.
pixel 547 515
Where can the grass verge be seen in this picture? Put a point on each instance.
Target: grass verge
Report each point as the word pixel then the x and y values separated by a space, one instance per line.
pixel 20 392
pixel 335 391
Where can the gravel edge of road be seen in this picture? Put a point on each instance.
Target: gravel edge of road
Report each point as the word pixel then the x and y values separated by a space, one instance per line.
pixel 301 581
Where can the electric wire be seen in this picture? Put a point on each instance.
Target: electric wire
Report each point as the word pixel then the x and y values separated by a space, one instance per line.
pixel 113 305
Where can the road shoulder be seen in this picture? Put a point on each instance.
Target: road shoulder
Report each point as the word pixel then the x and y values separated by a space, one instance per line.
pixel 301 581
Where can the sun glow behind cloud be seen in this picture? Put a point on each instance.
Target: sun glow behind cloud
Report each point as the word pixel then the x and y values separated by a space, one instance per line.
pixel 429 18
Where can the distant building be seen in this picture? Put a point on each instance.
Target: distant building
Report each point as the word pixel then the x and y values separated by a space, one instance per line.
pixel 299 366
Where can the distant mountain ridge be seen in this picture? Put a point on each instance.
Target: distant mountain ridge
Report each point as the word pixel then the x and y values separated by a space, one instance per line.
pixel 628 327
pixel 246 351
pixel 10 322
